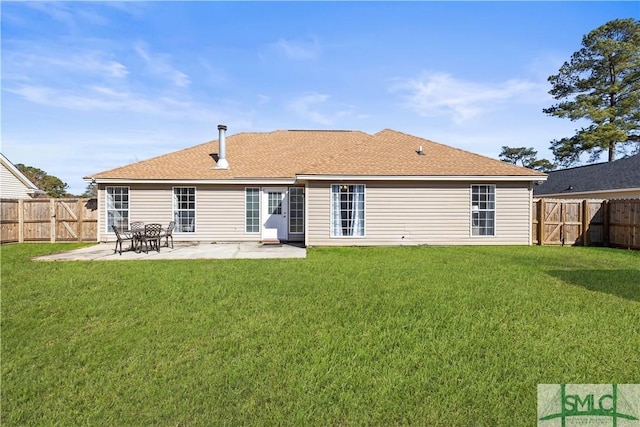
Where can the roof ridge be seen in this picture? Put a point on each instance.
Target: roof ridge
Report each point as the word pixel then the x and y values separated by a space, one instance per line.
pixel 629 157
pixel 320 130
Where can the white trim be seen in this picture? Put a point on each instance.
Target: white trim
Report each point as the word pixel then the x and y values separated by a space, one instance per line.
pixel 478 178
pixel 195 210
pixel 581 193
pixel 106 206
pixel 306 214
pixel 265 214
pixel 495 210
pixel 289 212
pixel 33 189
pixel 193 182
pixel 364 211
pixel 530 210
pixel 259 210
pixel 303 177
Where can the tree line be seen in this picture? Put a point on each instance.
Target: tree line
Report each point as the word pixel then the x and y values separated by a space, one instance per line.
pixel 52 185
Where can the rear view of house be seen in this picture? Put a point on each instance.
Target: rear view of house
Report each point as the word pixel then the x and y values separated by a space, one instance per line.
pixel 323 188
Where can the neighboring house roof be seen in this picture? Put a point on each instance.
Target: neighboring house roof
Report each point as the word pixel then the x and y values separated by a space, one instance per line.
pixel 622 174
pixel 289 154
pixel 14 183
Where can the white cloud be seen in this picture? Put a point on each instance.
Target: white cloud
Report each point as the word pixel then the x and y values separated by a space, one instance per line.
pixel 75 14
pixel 159 64
pixel 58 11
pixel 103 98
pixel 316 108
pixel 37 61
pixel 306 107
pixel 298 49
pixel 441 95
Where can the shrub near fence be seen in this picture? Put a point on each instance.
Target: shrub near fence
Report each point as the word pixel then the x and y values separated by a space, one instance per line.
pixel 48 220
pixel 587 222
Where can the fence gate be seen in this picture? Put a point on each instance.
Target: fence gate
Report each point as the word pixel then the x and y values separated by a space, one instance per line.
pixel 570 222
pixel 560 222
pixel 49 220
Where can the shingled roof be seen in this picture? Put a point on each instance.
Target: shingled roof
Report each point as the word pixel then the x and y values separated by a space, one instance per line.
pixel 291 153
pixel 617 175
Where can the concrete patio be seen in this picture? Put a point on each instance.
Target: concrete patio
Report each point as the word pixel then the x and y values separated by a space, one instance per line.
pixel 104 252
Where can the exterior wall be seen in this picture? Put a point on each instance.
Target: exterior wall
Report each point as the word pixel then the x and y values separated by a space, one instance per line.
pixel 396 213
pixel 12 187
pixel 220 212
pixel 416 213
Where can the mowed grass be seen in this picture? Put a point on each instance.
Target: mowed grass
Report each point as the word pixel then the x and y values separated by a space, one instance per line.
pixel 431 336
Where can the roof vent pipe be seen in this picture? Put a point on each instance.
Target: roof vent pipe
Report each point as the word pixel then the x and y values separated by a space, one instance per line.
pixel 222 156
pixel 420 152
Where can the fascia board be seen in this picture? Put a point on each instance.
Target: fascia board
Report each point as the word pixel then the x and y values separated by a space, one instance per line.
pixel 251 181
pixel 484 178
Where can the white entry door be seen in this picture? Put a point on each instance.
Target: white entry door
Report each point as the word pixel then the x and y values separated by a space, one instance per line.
pixel 274 219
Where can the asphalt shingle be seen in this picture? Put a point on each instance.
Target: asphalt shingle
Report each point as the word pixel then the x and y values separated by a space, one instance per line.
pixel 285 154
pixel 616 175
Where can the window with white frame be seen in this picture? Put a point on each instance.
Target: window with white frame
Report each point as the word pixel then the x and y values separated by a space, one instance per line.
pixel 252 210
pixel 117 207
pixel 347 210
pixel 483 210
pixel 274 203
pixel 184 209
pixel 296 210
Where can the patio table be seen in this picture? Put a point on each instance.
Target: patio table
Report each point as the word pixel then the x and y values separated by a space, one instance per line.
pixel 137 234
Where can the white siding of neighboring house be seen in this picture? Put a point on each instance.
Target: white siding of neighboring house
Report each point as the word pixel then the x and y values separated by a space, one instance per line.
pixel 12 187
pixel 415 213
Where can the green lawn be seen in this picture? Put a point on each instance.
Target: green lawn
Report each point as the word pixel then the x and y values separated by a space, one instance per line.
pixel 431 336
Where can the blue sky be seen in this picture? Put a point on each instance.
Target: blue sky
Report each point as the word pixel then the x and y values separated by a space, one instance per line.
pixel 87 87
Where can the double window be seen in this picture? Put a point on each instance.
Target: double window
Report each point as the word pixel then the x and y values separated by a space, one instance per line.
pixel 483 210
pixel 184 209
pixel 117 207
pixel 347 210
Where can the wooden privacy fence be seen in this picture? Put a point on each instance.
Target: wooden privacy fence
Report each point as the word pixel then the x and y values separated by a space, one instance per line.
pixel 613 223
pixel 48 220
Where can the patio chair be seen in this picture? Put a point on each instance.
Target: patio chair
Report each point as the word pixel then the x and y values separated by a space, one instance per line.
pixel 168 233
pixel 136 225
pixel 136 229
pixel 122 236
pixel 151 237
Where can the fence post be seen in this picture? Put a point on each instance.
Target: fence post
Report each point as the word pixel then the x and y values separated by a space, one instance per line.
pixel 585 222
pixel 52 213
pixel 541 212
pixel 20 221
pixel 80 222
pixel 605 222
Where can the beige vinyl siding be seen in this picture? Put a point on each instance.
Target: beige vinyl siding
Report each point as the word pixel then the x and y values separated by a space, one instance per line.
pixel 220 214
pixel 414 213
pixel 12 187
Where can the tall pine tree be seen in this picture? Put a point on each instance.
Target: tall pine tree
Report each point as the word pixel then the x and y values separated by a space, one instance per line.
pixel 601 84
